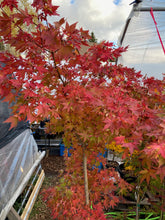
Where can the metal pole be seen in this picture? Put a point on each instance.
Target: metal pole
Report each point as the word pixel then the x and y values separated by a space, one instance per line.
pixel 144 9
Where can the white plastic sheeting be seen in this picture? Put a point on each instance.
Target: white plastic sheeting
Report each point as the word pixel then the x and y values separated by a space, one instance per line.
pixel 145 51
pixel 16 159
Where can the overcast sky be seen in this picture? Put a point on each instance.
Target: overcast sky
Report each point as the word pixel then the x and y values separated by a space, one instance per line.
pixel 105 18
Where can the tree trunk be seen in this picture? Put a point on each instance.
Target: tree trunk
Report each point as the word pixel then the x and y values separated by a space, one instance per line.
pixel 162 213
pixel 137 203
pixel 85 177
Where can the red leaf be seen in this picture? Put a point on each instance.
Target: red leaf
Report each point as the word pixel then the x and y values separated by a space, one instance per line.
pixel 46 7
pixel 9 98
pixel 27 18
pixel 108 123
pixel 13 120
pixel 10 3
pixel 120 140
pixel 112 203
pixel 130 146
pixel 162 150
pixel 59 23
pixel 66 52
pixel 38 3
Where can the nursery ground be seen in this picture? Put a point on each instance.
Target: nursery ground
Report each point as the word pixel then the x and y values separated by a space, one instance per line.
pixel 52 166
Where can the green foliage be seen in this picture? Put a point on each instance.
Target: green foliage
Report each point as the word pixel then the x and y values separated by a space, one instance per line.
pixel 132 215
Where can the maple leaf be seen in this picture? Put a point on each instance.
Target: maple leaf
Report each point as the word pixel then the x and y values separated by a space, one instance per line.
pixel 112 203
pixel 163 126
pixel 70 28
pixel 108 123
pixel 9 98
pixel 28 19
pixel 13 120
pixel 31 116
pixel 10 3
pixel 147 174
pixel 5 25
pixel 130 146
pixel 51 39
pixel 162 150
pixel 46 7
pixel 120 140
pixel 59 23
pixel 161 172
pixel 157 149
pixel 51 10
pixel 38 3
pixel 65 52
pixel 84 135
pixel 3 59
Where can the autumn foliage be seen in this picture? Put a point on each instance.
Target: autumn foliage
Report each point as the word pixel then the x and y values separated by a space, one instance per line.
pixel 87 96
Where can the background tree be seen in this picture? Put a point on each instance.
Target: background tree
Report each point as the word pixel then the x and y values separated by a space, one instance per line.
pixel 93 38
pixel 88 98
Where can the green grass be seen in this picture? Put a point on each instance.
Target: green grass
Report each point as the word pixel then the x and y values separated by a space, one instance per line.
pixel 132 215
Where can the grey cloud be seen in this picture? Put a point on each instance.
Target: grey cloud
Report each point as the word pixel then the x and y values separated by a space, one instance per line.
pixel 105 26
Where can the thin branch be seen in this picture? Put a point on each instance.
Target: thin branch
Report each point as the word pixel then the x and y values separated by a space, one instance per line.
pixel 59 75
pixel 85 177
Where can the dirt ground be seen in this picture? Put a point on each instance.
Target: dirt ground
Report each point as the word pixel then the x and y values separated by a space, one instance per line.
pixel 52 166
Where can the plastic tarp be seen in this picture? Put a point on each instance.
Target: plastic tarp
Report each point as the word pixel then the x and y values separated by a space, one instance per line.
pixel 18 154
pixel 145 51
pixel 16 159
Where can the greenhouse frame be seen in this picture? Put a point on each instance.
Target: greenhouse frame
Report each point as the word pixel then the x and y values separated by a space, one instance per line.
pixel 144 34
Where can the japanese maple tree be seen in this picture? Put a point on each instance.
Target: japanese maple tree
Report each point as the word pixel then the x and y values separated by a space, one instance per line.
pixel 87 96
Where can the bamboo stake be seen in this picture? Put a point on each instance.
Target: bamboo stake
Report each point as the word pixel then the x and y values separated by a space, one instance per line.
pixel 33 197
pixel 85 177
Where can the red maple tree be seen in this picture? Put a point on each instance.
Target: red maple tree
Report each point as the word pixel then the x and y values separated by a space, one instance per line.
pixel 88 97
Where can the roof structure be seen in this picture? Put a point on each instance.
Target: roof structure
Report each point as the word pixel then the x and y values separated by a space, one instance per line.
pixel 144 34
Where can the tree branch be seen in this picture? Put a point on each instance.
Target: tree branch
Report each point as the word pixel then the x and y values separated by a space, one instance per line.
pixel 59 75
